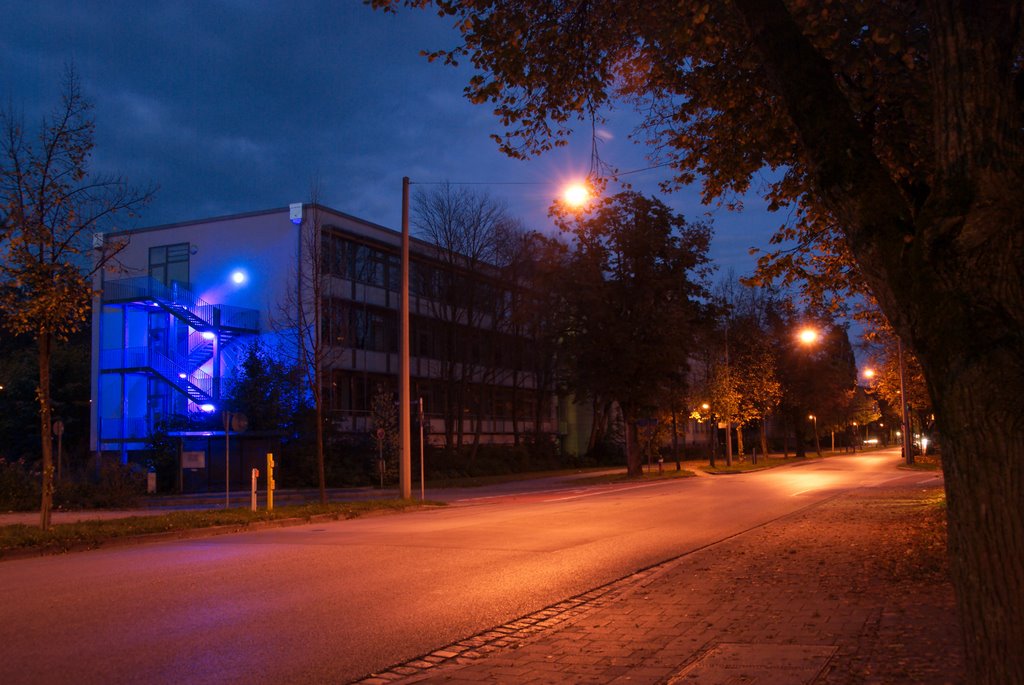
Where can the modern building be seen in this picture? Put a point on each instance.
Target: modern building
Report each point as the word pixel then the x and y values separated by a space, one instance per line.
pixel 178 302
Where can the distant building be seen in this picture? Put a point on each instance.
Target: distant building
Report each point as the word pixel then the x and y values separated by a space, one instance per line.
pixel 181 300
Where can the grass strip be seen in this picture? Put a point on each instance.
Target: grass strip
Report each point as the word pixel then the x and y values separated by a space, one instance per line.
pixel 62 537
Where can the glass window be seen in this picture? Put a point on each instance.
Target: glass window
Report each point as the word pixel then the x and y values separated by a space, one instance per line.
pixel 334 255
pixel 394 273
pixel 168 264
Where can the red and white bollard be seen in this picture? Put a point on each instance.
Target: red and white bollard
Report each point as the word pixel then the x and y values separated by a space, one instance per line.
pixel 255 479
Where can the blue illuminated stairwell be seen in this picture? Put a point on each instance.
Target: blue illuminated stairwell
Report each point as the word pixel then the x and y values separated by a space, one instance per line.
pixel 208 322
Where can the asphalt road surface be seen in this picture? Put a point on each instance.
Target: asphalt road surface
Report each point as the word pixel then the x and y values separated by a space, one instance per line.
pixel 331 602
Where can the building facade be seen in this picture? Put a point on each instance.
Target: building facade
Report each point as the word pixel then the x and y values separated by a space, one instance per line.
pixel 178 303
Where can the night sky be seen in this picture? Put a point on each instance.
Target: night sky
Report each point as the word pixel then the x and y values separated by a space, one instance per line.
pixel 240 105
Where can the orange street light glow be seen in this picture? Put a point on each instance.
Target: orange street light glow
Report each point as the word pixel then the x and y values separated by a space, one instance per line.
pixel 869 373
pixel 808 336
pixel 576 195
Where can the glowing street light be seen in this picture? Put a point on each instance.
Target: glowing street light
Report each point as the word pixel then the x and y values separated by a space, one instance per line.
pixel 808 335
pixel 869 373
pixel 576 195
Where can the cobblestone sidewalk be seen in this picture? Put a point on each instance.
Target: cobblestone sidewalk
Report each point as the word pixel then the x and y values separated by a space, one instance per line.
pixel 854 590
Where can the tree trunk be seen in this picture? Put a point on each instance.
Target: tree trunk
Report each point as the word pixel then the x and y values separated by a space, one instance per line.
pixel 739 441
pixel 983 461
pixel 320 472
pixel 478 427
pixel 675 441
pixel 43 395
pixel 449 417
pixel 728 444
pixel 515 408
pixel 597 425
pixel 634 463
pixel 763 430
pixel 713 433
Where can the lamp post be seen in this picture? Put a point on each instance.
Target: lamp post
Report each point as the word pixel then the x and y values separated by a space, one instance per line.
pixel 817 443
pixel 404 390
pixel 808 336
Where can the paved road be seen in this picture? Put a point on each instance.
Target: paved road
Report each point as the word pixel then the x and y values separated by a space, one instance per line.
pixel 332 602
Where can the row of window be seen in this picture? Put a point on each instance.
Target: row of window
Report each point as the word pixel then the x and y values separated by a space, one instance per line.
pixel 354 392
pixel 375 329
pixel 363 264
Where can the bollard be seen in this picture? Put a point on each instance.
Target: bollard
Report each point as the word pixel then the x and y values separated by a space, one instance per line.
pixel 255 479
pixel 270 481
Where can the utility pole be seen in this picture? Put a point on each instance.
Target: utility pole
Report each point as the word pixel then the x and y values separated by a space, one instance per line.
pixel 404 391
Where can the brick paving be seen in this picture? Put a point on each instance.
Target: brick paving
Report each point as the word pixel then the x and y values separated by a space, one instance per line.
pixel 852 590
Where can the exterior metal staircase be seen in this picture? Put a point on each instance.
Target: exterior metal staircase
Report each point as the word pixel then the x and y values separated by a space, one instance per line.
pixel 208 321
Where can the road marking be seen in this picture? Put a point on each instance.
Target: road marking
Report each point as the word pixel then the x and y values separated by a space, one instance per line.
pixel 602 492
pixel 524 493
pixel 801 492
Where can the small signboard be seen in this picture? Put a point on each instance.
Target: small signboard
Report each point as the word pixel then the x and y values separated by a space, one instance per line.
pixel 193 460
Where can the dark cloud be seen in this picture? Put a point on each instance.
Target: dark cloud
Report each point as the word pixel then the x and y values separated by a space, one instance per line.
pixel 237 105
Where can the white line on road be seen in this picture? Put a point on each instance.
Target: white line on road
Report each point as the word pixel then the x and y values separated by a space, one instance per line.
pixel 602 492
pixel 514 494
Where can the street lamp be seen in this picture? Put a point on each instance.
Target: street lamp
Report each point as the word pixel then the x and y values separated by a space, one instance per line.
pixel 576 195
pixel 808 335
pixel 817 442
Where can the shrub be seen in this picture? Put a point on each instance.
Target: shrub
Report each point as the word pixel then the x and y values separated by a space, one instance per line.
pixel 19 487
pixel 119 487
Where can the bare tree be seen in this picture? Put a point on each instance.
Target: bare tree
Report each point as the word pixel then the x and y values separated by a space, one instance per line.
pixel 302 315
pixel 466 229
pixel 51 212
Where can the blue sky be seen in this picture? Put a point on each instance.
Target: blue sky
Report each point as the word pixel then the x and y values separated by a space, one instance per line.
pixel 239 105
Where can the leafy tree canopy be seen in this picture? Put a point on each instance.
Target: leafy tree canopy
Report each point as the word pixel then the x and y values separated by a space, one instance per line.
pixel 631 284
pixel 896 130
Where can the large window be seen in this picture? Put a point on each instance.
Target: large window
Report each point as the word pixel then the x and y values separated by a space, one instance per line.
pixel 334 252
pixel 168 264
pixel 360 327
pixel 361 263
